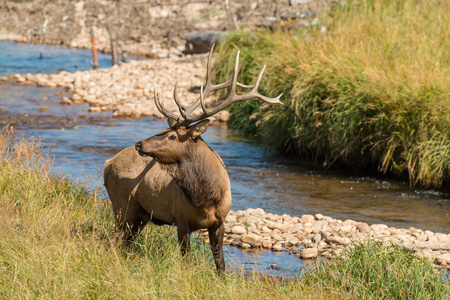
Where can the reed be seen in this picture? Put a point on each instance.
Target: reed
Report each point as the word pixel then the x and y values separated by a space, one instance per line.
pixel 371 93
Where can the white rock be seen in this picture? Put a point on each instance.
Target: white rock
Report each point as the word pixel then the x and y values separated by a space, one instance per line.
pixel 267 244
pixel 230 218
pixel 379 227
pixel 252 239
pixel 346 228
pixel 244 246
pixel 442 237
pixel 443 259
pixel 238 230
pixel 277 247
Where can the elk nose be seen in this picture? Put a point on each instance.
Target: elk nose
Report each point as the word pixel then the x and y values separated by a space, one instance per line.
pixel 138 146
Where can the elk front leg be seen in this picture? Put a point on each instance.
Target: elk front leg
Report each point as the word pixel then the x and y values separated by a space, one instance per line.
pixel 184 239
pixel 129 221
pixel 216 233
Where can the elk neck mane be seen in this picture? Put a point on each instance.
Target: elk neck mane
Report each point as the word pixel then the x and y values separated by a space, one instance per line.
pixel 199 175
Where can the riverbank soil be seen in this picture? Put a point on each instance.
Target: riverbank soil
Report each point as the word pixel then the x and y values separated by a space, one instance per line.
pixel 150 28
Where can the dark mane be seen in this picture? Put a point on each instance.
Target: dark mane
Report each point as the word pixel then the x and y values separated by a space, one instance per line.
pixel 197 177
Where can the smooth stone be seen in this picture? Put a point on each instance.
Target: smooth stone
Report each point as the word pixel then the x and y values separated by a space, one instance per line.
pixel 238 230
pixel 252 239
pixel 309 253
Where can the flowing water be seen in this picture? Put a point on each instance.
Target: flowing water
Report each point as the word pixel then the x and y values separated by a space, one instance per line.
pixel 280 184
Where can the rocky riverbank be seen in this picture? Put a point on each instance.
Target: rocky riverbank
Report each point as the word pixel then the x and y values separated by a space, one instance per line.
pixel 128 89
pixel 309 237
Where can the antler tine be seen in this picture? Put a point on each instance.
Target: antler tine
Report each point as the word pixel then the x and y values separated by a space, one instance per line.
pixel 202 100
pixel 181 108
pixel 233 97
pixel 160 107
pixel 254 90
pixel 210 87
pixel 191 109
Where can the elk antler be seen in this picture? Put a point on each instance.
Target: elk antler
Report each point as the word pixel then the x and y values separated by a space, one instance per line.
pixel 185 112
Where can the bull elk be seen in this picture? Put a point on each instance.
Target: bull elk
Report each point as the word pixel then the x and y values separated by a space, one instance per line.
pixel 174 177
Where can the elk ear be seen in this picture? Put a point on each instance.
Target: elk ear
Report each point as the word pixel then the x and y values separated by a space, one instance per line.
pixel 172 123
pixel 198 128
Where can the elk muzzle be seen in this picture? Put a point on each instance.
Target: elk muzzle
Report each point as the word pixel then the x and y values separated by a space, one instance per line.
pixel 138 147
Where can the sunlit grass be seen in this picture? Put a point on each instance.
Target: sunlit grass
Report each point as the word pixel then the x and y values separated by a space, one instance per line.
pixel 58 242
pixel 380 271
pixel 371 93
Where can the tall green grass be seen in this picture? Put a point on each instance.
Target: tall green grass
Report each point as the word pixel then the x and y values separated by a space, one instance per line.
pixel 371 93
pixel 380 271
pixel 58 242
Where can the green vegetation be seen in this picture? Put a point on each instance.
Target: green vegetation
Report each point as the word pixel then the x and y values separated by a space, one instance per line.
pixel 373 92
pixel 58 241
pixel 378 271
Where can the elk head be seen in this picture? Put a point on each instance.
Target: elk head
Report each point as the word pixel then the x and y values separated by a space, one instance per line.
pixel 169 145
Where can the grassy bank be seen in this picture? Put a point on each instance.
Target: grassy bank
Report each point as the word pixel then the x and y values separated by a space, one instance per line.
pixel 57 241
pixel 371 93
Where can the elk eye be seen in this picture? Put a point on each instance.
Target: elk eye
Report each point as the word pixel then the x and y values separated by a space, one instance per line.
pixel 172 137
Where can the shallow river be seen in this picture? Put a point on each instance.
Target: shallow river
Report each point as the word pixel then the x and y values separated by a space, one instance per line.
pixel 280 184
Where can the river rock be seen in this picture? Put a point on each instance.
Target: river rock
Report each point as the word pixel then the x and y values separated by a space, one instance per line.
pixel 346 228
pixel 320 225
pixel 296 228
pixel 256 211
pixel 65 101
pixel 238 230
pixel 309 253
pixel 230 218
pixel 279 226
pixel 363 227
pixel 224 116
pixel 277 247
pixel 294 241
pixel 94 109
pixel 443 259
pixel 307 218
pixel 432 239
pixel 403 238
pixel 317 238
pixel 265 229
pixel 76 98
pixel 275 267
pixel 267 244
pixel 378 227
pixel 443 237
pixel 252 239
